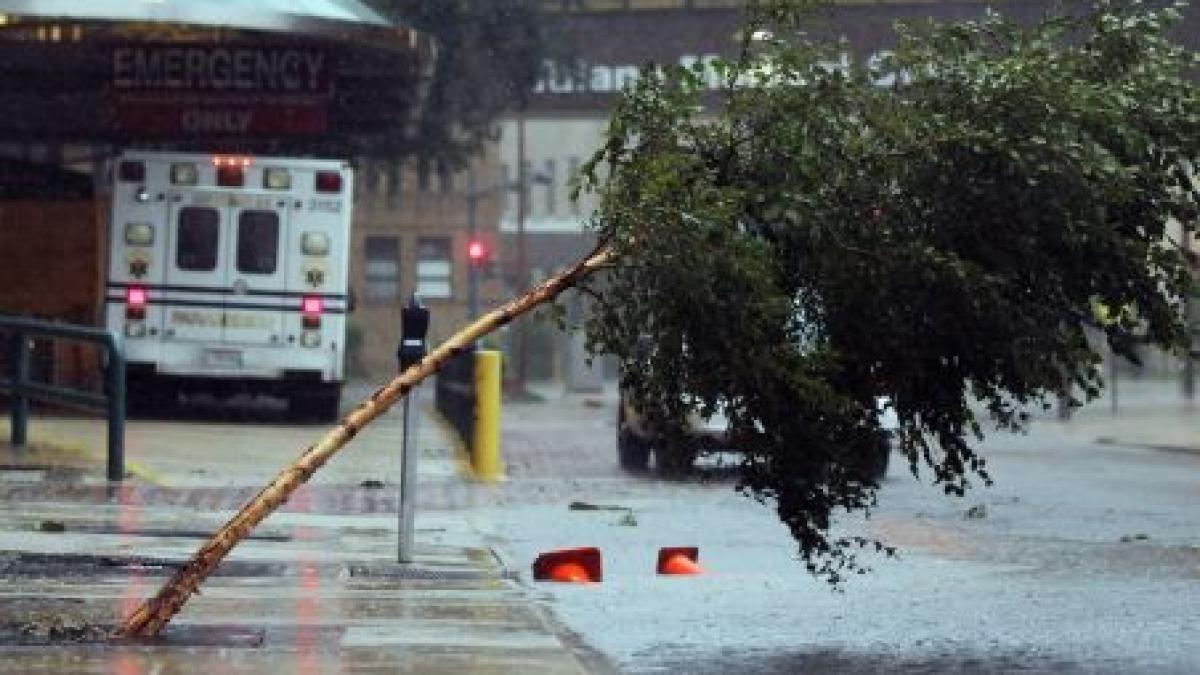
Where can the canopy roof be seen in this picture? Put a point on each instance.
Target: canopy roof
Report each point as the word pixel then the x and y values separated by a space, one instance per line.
pixel 274 75
pixel 307 16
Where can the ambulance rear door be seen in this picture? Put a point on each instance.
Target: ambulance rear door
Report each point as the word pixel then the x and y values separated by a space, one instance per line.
pixel 256 271
pixel 196 268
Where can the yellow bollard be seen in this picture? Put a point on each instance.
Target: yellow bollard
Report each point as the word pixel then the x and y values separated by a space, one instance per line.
pixel 485 455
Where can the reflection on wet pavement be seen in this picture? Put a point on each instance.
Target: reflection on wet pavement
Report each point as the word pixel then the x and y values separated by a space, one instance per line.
pixel 309 599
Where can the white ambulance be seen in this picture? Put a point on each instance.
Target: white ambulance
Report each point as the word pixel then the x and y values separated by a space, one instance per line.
pixel 229 274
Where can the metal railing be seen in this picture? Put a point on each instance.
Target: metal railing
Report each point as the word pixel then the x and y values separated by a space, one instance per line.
pixel 22 387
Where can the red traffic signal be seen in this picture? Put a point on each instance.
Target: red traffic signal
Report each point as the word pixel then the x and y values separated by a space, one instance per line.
pixel 477 252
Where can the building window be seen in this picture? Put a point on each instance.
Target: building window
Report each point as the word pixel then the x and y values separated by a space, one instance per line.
pixel 551 186
pixel 433 267
pixel 382 268
pixel 445 179
pixel 573 175
pixel 506 193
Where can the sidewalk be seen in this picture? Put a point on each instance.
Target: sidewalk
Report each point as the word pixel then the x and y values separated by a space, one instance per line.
pixel 1151 413
pixel 315 588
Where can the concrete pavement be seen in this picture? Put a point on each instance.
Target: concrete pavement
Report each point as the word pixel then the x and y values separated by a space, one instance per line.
pixel 315 589
pixel 1147 413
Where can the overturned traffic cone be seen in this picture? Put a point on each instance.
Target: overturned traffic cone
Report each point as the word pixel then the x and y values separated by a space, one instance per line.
pixel 679 561
pixel 571 565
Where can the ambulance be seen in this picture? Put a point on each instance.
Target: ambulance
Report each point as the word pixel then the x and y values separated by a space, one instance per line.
pixel 228 274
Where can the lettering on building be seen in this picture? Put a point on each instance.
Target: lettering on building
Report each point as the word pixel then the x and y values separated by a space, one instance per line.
pixel 159 68
pixel 593 78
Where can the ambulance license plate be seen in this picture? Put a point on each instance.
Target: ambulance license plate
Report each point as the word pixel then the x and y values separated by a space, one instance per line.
pixel 222 358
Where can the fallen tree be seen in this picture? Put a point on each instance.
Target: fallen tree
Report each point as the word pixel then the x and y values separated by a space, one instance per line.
pixel 150 617
pixel 822 242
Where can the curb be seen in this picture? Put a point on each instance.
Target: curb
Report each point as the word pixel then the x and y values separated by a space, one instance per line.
pixel 462 458
pixel 40 443
pixel 1160 447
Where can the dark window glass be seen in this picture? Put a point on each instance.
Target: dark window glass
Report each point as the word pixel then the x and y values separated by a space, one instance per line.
pixel 258 242
pixel 382 274
pixel 433 267
pixel 198 234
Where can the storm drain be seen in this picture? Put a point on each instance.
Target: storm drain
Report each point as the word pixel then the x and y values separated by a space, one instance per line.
pixel 166 532
pixel 413 573
pixel 22 564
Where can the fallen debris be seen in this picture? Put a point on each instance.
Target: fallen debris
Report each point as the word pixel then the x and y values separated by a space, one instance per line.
pixel 585 506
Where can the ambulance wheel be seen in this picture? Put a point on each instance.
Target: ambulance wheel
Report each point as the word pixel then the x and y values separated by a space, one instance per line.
pixel 318 403
pixel 146 396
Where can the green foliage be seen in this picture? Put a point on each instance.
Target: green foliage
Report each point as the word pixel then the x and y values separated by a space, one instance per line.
pixel 821 241
pixel 489 56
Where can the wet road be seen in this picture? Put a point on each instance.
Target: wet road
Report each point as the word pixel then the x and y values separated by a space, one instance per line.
pixel 1083 558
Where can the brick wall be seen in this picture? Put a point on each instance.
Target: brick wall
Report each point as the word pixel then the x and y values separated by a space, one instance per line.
pixel 50 260
pixel 51 267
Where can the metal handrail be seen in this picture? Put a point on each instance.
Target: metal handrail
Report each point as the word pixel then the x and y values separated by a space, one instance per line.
pixel 22 389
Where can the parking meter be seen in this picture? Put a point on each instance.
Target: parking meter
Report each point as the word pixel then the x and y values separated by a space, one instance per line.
pixel 414 325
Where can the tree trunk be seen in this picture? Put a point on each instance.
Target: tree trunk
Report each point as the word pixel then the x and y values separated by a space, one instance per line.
pixel 153 614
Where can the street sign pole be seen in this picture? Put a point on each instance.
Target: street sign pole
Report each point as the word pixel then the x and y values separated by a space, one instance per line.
pixel 414 325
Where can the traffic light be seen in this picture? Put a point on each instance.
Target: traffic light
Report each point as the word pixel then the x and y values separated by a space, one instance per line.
pixel 477 253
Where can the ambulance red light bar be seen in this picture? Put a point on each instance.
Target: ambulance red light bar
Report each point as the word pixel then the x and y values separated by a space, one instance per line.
pixel 130 171
pixel 230 176
pixel 232 160
pixel 311 308
pixel 329 181
pixel 231 170
pixel 135 303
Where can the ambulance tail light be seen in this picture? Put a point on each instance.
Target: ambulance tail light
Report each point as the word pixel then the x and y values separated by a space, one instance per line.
pixel 329 181
pixel 135 303
pixel 311 308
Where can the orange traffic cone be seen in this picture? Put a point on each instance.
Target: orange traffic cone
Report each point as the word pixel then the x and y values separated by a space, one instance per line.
pixel 679 561
pixel 571 565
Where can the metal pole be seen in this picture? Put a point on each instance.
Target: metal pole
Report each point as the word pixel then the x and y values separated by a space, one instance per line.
pixel 472 271
pixel 408 486
pixel 522 271
pixel 1112 378
pixel 1190 319
pixel 20 402
pixel 116 413
pixel 414 326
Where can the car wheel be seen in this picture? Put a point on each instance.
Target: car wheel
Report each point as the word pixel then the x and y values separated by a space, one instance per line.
pixel 147 396
pixel 633 453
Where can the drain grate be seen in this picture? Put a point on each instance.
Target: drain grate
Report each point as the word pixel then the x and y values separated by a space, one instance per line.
pixel 22 564
pixel 109 528
pixel 412 573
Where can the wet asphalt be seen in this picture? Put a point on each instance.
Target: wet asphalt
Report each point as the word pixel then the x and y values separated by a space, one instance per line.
pixel 1084 558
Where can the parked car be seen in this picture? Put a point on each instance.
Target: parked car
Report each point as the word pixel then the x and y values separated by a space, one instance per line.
pixel 638 441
